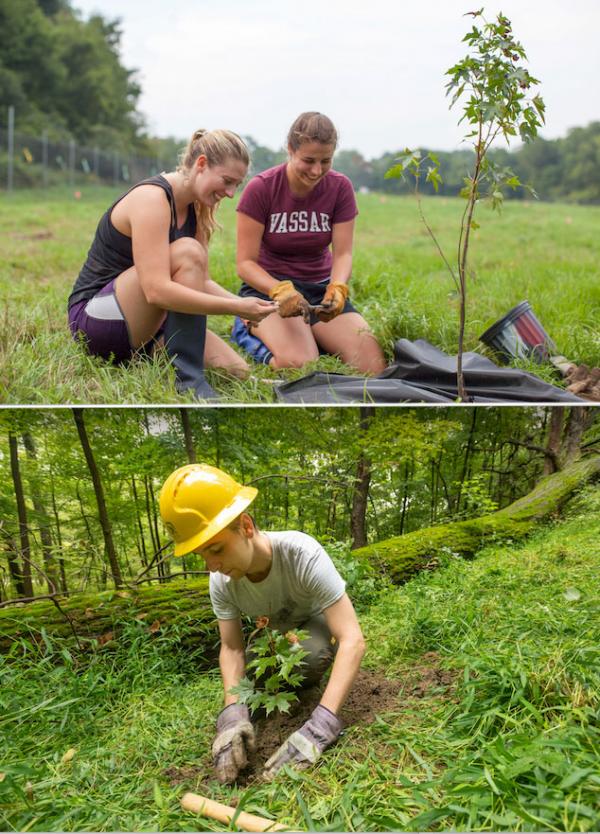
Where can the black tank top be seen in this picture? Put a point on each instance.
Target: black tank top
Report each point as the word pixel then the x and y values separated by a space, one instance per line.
pixel 111 253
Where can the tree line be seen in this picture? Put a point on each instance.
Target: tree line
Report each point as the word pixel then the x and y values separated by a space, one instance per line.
pixel 63 75
pixel 79 487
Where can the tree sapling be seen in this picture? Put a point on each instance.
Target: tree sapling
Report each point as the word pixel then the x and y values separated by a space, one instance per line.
pixel 495 87
pixel 275 669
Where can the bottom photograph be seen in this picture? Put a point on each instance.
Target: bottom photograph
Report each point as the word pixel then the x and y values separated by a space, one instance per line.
pixel 301 619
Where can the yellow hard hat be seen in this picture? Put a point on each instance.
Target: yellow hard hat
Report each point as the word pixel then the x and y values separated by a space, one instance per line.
pixel 198 501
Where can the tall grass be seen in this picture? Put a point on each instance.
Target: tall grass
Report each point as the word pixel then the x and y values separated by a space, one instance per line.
pixel 547 253
pixel 499 732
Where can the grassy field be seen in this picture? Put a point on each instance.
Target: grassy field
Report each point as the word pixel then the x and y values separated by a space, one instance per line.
pixel 494 725
pixel 546 253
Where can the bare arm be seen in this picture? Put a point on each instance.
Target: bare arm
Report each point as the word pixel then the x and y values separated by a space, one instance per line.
pixel 249 236
pixel 232 658
pixel 148 219
pixel 344 626
pixel 341 246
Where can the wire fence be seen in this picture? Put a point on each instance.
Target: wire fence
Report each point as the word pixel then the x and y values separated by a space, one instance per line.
pixel 28 161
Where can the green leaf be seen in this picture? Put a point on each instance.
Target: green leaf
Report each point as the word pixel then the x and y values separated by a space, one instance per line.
pixel 396 172
pixel 575 776
pixel 434 178
pixel 157 794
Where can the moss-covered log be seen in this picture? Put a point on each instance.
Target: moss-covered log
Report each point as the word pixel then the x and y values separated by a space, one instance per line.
pixel 101 616
pixel 402 556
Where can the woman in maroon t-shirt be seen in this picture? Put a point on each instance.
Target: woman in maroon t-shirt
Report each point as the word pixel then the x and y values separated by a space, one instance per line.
pixel 288 218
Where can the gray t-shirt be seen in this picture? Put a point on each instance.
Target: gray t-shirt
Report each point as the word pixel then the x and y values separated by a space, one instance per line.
pixel 302 582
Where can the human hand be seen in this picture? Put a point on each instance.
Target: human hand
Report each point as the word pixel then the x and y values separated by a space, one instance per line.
pixel 334 299
pixel 290 302
pixel 254 309
pixel 234 740
pixel 303 748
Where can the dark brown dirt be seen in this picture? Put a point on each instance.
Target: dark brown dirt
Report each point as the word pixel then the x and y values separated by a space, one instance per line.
pixel 372 694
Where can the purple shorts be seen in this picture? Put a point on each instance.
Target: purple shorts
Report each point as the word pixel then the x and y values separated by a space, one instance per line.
pixel 100 323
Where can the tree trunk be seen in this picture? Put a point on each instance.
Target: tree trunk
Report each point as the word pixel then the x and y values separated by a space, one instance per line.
pixel 579 420
pixel 360 495
pixel 24 587
pixel 466 459
pixel 187 435
pixel 408 471
pixel 61 561
pixel 14 568
pixel 99 492
pixel 553 443
pixel 43 525
pixel 143 553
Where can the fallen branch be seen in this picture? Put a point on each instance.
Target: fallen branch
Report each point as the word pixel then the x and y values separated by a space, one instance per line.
pixel 402 556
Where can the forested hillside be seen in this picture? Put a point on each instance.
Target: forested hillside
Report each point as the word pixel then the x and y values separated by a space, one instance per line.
pixel 476 709
pixel 78 494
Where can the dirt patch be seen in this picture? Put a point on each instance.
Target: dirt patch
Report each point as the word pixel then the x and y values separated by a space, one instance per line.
pixel 372 695
pixel 427 677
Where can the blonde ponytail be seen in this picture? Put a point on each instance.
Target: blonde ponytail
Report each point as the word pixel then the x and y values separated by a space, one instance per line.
pixel 218 146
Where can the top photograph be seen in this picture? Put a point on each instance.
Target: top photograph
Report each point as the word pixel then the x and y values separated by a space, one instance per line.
pixel 342 216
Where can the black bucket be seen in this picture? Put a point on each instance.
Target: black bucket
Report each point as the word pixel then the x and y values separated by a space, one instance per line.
pixel 519 335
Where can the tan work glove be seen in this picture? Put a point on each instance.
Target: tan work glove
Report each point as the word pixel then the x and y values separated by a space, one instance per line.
pixel 304 747
pixel 234 742
pixel 335 295
pixel 290 301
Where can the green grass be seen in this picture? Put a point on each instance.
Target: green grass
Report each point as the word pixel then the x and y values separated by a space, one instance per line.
pixel 547 253
pixel 509 741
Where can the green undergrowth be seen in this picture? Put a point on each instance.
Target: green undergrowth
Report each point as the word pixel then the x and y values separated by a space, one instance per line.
pixel 546 253
pixel 495 726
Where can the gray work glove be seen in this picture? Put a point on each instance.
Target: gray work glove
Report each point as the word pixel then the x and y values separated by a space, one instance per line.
pixel 234 740
pixel 303 748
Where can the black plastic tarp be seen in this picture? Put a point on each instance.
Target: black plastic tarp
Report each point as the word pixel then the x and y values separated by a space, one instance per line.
pixel 422 373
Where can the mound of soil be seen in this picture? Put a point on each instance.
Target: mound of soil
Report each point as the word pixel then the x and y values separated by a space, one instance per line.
pixel 372 694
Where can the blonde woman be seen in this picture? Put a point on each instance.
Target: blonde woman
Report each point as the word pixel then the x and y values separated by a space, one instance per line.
pixel 146 275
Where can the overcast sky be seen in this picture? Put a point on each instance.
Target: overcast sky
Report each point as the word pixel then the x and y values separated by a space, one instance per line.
pixel 376 67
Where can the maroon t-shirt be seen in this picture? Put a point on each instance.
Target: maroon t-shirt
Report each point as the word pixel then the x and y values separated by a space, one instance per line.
pixel 297 235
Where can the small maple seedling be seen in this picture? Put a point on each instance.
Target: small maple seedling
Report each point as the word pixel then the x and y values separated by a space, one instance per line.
pixel 275 670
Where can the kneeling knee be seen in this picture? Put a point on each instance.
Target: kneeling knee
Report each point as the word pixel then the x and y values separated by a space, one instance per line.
pixel 293 360
pixel 189 252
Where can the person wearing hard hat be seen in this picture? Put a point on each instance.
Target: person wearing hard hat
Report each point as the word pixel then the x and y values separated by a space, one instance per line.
pixel 285 576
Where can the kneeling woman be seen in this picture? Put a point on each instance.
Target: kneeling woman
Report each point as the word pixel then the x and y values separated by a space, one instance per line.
pixel 146 275
pixel 288 217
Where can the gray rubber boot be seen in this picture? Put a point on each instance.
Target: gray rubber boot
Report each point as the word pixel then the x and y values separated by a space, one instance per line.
pixel 185 336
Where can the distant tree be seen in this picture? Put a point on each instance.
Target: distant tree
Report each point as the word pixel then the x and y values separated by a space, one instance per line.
pixel 100 500
pixel 64 74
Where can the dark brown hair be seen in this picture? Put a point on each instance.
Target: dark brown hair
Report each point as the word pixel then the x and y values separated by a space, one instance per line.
pixel 312 127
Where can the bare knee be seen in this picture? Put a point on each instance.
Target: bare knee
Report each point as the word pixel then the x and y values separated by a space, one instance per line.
pixel 293 359
pixel 189 261
pixel 367 357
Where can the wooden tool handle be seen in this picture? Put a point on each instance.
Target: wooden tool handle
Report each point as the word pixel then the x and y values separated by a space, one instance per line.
pixel 225 813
